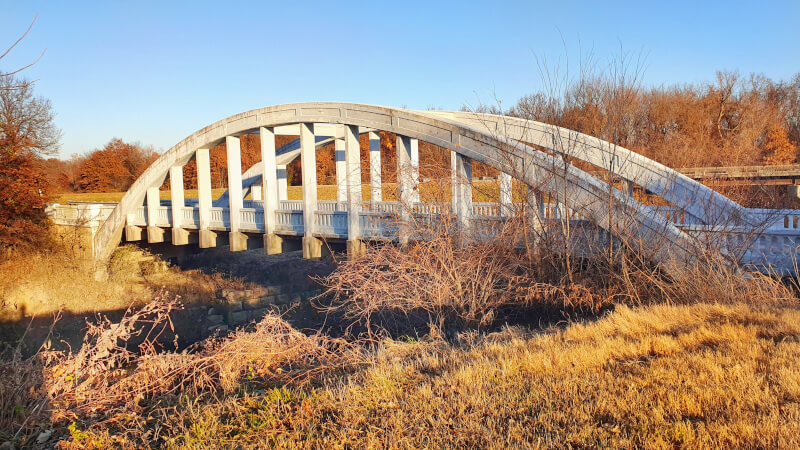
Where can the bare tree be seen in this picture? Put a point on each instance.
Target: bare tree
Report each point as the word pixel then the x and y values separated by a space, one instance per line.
pixel 6 78
pixel 26 121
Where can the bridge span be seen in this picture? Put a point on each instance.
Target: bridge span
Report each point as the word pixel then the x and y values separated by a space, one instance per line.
pixel 538 155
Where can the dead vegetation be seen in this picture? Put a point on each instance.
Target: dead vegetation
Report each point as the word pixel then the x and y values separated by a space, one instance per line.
pixel 127 393
pixel 37 284
pixel 702 357
pixel 698 376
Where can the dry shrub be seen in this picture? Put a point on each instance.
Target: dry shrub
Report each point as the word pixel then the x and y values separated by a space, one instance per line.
pixel 456 277
pixel 107 385
pixel 23 402
pixel 452 278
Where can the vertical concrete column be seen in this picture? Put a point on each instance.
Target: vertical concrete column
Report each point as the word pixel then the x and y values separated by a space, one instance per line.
pixel 273 244
pixel 179 235
pixel 236 239
pixel 375 166
pixel 132 231
pixel 257 193
pixel 461 174
pixel 536 208
pixel 352 149
pixel 627 187
pixel 407 184
pixel 155 234
pixel 283 183
pixel 312 247
pixel 414 170
pixel 341 166
pixel 506 199
pixel 207 238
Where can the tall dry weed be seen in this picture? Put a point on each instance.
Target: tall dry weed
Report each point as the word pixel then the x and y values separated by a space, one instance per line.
pixel 109 385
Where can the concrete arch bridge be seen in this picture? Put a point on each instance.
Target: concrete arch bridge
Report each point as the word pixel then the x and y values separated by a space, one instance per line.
pixel 537 154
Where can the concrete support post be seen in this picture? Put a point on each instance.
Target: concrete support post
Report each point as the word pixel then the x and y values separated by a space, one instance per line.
pixel 283 183
pixel 154 233
pixel 461 174
pixel 207 238
pixel 179 235
pixel 341 166
pixel 375 166
pixel 312 246
pixel 506 199
pixel 536 208
pixel 627 187
pixel 355 244
pixel 132 232
pixel 415 170
pixel 793 191
pixel 407 184
pixel 236 239
pixel 273 244
pixel 256 193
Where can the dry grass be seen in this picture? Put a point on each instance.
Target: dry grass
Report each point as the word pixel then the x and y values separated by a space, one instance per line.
pixel 699 357
pixel 692 376
pixel 700 376
pixel 39 284
pixel 114 389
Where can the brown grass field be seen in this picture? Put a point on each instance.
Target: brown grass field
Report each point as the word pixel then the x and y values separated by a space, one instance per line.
pixel 701 376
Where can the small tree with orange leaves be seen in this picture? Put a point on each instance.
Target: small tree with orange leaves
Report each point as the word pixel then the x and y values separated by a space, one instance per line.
pixel 777 148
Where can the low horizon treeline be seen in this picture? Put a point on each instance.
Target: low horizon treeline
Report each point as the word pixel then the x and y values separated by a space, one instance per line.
pixel 731 121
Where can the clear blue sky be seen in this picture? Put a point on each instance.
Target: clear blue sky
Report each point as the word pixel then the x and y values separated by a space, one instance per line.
pixel 157 71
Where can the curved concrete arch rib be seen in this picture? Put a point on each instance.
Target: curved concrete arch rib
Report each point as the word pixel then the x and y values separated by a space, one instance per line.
pixel 572 186
pixel 702 202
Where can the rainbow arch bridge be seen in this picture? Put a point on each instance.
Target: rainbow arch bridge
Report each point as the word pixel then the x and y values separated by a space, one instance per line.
pixel 538 155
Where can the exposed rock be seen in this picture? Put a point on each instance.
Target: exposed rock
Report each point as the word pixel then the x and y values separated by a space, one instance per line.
pixel 44 436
